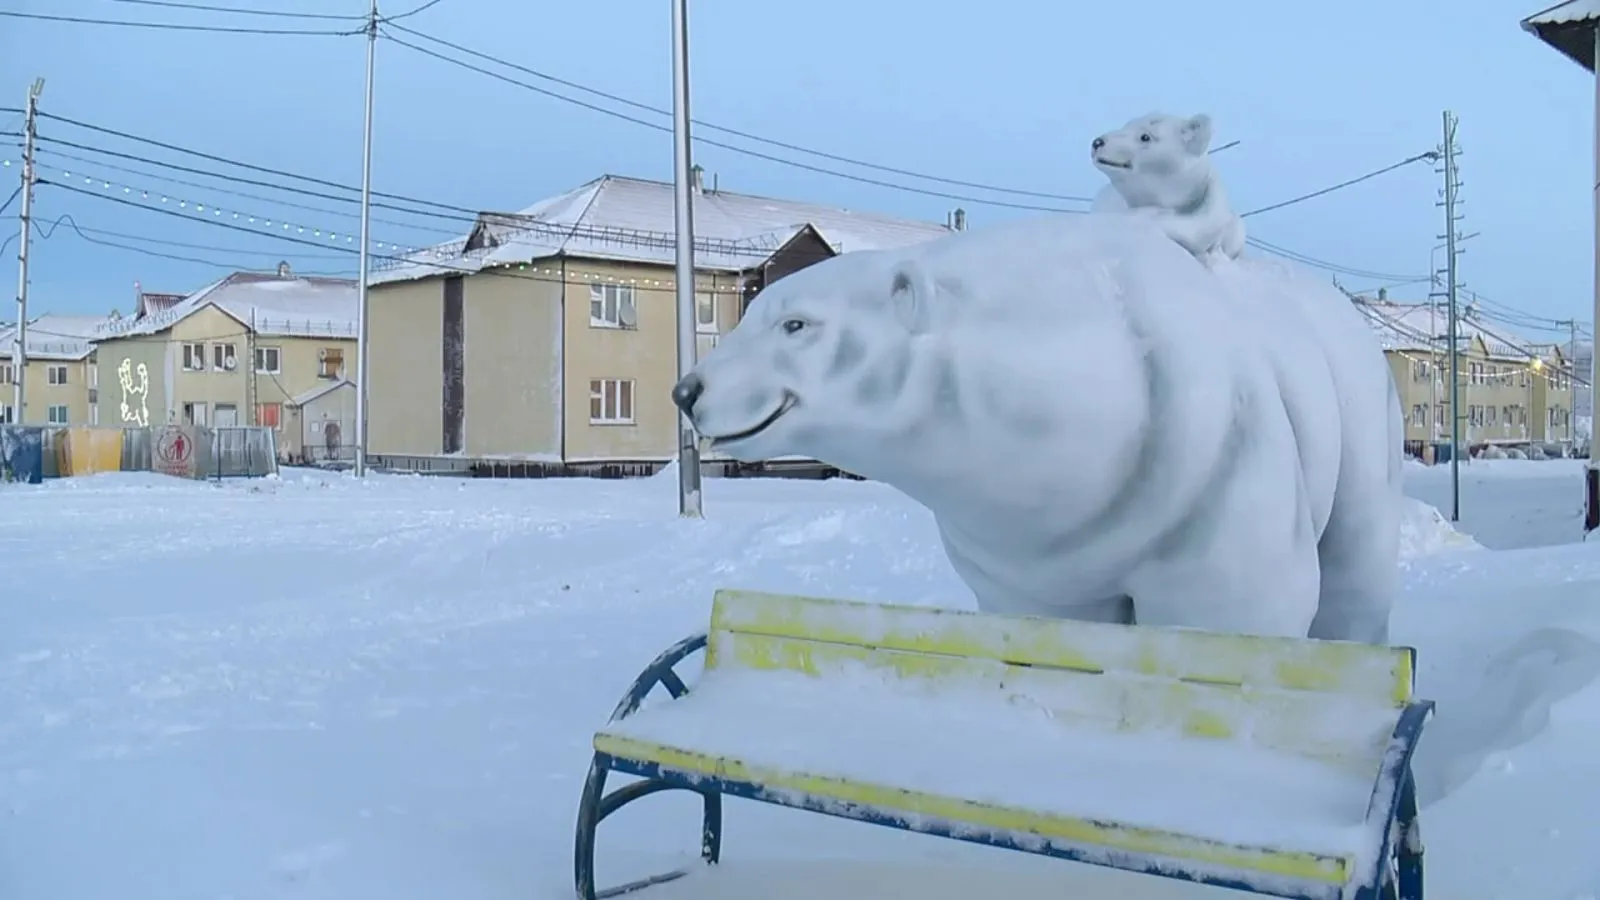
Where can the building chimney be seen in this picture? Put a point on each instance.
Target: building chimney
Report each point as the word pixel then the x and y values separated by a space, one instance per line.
pixel 284 271
pixel 1383 295
pixel 958 219
pixel 697 178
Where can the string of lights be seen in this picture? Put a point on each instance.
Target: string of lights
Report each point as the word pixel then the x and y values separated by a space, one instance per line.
pixel 442 264
pixel 52 154
pixel 462 214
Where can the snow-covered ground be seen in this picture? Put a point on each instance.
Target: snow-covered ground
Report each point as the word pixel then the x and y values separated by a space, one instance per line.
pixel 316 687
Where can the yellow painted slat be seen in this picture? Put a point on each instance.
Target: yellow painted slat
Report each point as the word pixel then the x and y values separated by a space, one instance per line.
pixel 1348 733
pixel 1295 664
pixel 1302 866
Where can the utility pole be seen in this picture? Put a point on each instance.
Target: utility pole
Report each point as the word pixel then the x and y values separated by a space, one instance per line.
pixel 1448 151
pixel 19 346
pixel 365 267
pixel 683 198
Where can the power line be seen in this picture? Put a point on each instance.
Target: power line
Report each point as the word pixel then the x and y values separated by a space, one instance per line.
pixel 406 15
pixel 615 98
pixel 464 215
pixel 656 126
pixel 10 199
pixel 229 162
pixel 173 26
pixel 242 11
pixel 234 193
pixel 84 231
pixel 80 231
pixel 1430 156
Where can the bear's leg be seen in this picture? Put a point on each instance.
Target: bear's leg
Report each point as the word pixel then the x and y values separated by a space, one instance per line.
pixel 1360 546
pixel 1360 561
pixel 1246 561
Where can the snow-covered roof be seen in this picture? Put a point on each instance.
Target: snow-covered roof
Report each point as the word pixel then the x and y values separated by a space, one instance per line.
pixel 1423 327
pixel 54 337
pixel 321 390
pixel 631 220
pixel 1568 27
pixel 273 304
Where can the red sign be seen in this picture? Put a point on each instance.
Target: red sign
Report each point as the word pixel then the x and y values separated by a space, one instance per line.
pixel 173 452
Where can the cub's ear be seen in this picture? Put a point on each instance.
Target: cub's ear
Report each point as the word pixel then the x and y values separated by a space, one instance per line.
pixel 1196 134
pixel 913 293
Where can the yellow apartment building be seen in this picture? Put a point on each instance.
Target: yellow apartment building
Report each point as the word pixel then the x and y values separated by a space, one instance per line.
pixel 1511 391
pixel 251 349
pixel 59 378
pixel 545 342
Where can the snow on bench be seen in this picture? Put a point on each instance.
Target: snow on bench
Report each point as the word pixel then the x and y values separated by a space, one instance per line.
pixel 1271 765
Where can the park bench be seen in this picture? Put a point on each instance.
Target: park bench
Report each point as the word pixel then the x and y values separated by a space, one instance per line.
pixel 1274 766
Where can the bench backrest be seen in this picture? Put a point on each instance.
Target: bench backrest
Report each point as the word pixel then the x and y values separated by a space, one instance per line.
pixel 1333 701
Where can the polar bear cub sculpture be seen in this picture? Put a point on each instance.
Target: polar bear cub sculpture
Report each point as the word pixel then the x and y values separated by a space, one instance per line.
pixel 1158 165
pixel 1103 428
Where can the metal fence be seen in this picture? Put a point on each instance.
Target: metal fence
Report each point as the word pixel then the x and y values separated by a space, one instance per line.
pixel 185 451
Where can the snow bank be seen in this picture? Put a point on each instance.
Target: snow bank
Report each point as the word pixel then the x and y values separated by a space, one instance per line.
pixel 1425 531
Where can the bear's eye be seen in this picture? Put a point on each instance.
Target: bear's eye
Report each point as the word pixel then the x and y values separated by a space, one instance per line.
pixel 792 326
pixel 1145 138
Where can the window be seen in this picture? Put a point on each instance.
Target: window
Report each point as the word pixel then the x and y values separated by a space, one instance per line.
pixel 1419 414
pixel 269 415
pixel 1438 415
pixel 56 375
pixel 5 373
pixel 269 360
pixel 223 358
pixel 94 374
pixel 57 414
pixel 612 306
pixel 1493 376
pixel 705 313
pixel 194 414
pixel 330 362
pixel 194 357
pixel 6 415
pixel 1489 414
pixel 611 401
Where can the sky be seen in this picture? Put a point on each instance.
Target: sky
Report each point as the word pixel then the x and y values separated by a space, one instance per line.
pixel 1006 93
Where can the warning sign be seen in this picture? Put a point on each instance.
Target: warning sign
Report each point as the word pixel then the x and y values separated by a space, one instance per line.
pixel 173 453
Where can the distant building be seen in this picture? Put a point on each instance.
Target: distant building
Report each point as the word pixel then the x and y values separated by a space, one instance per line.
pixel 1511 391
pixel 545 340
pixel 60 375
pixel 251 349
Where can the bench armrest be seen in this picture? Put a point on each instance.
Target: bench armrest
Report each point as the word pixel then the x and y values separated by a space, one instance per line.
pixel 1394 797
pixel 660 671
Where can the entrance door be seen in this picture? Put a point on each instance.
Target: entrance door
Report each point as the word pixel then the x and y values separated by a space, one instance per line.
pixel 227 416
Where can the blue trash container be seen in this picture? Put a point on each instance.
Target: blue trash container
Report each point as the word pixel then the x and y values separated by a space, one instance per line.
pixel 23 451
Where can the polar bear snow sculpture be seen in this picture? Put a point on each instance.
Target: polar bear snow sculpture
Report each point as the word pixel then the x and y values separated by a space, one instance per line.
pixel 1103 428
pixel 1158 166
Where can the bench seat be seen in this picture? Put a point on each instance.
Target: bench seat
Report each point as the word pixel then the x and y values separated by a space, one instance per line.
pixel 1269 765
pixel 1204 802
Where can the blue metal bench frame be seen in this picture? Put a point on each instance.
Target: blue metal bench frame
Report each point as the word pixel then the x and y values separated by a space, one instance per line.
pixel 1399 865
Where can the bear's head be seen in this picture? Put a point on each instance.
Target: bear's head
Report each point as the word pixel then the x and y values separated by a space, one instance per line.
pixel 823 364
pixel 1156 160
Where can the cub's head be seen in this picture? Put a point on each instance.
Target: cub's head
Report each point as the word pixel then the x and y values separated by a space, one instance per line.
pixel 819 365
pixel 1157 159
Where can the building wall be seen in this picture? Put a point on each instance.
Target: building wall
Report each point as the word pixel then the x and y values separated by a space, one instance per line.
pixel 644 356
pixel 332 414
pixel 1500 398
pixel 41 395
pixel 511 366
pixel 405 362
pixel 303 365
pixel 135 381
pixel 1553 393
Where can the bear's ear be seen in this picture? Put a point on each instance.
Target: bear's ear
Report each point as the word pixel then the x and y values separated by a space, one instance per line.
pixel 1196 133
pixel 912 294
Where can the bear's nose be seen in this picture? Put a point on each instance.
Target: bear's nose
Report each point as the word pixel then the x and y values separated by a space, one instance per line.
pixel 686 392
pixel 1097 143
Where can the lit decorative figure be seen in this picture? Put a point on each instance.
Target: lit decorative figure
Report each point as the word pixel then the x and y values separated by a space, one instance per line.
pixel 125 372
